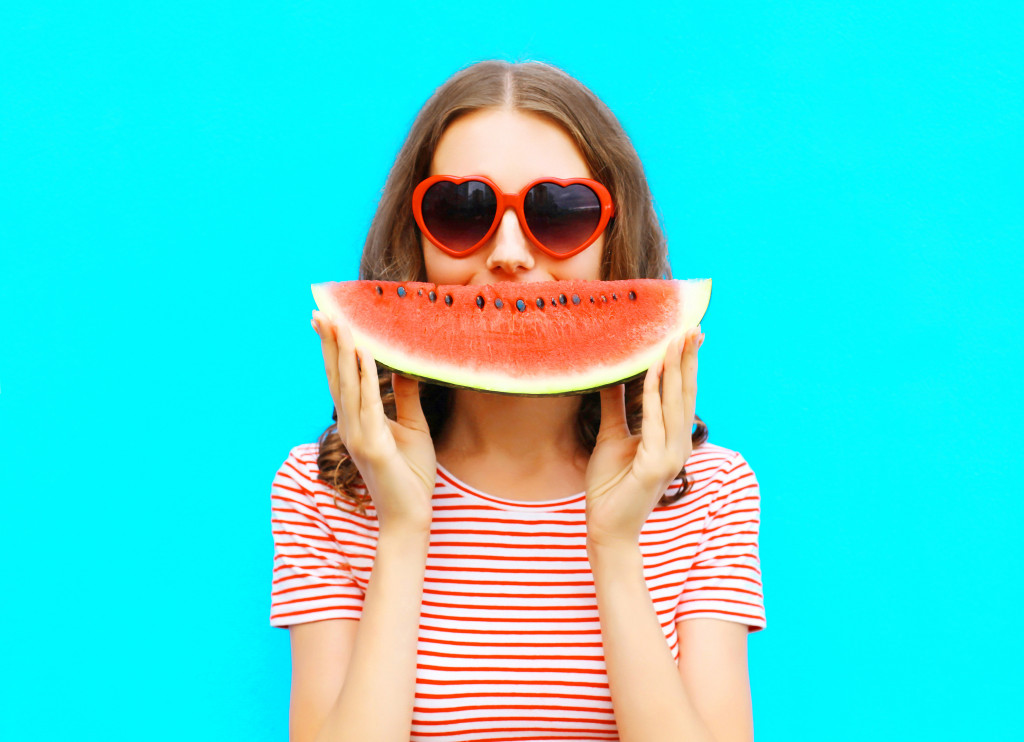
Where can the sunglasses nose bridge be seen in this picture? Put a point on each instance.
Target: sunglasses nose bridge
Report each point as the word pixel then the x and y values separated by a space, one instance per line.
pixel 511 246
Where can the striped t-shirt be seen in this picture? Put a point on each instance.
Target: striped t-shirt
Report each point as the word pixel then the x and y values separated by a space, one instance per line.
pixel 509 639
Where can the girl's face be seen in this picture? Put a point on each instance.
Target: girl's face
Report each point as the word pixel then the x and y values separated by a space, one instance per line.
pixel 512 148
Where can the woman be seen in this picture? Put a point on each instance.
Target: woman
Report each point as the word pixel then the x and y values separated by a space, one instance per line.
pixel 473 566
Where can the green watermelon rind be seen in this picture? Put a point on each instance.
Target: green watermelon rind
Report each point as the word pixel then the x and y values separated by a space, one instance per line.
pixel 562 393
pixel 695 294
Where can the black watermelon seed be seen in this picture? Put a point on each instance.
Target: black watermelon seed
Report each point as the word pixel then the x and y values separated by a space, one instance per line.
pixel 498 303
pixel 604 298
pixel 591 299
pixel 401 290
pixel 419 293
pixel 433 296
pixel 632 295
pixel 562 299
pixel 521 305
pixel 448 299
pixel 379 291
pixel 553 303
pixel 614 297
pixel 480 302
pixel 575 299
pixel 540 303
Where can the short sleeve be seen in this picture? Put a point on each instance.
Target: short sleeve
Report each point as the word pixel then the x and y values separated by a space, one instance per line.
pixel 312 580
pixel 724 580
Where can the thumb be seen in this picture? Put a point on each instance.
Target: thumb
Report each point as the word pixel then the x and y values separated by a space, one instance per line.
pixel 408 410
pixel 613 413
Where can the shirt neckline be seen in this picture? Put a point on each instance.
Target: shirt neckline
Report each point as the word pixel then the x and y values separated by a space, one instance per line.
pixel 557 504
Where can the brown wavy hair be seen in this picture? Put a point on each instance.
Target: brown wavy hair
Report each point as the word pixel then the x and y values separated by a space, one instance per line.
pixel 634 243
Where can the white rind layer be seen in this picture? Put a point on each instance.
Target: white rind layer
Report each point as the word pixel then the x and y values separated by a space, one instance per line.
pixel 695 295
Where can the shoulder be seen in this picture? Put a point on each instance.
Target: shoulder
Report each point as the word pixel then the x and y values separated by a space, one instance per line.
pixel 724 484
pixel 300 467
pixel 298 479
pixel 709 459
pixel 715 473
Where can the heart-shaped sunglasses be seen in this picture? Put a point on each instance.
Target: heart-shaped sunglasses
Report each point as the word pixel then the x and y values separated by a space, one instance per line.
pixel 562 217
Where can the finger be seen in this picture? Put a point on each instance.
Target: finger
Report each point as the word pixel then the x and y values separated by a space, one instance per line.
pixel 323 328
pixel 613 413
pixel 408 410
pixel 689 371
pixel 329 349
pixel 372 408
pixel 672 392
pixel 653 427
pixel 348 373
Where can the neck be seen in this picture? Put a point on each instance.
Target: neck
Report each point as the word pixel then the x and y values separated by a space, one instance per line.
pixel 525 430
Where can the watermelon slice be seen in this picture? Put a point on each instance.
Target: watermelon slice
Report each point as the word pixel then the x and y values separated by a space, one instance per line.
pixel 556 337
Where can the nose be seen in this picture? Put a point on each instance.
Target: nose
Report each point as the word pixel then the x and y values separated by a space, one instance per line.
pixel 511 252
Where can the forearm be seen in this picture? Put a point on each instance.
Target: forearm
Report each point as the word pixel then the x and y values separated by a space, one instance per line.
pixel 376 701
pixel 648 695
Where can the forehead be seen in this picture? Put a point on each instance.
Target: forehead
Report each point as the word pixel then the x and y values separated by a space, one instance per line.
pixel 510 147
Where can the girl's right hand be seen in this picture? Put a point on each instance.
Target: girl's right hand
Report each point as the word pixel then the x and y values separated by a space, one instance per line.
pixel 395 457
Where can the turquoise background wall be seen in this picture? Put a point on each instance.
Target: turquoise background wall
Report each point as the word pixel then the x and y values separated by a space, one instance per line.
pixel 173 176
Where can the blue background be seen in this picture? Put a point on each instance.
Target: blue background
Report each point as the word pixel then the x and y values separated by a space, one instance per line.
pixel 173 176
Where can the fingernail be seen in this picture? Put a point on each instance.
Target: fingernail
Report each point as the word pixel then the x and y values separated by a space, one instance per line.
pixel 700 341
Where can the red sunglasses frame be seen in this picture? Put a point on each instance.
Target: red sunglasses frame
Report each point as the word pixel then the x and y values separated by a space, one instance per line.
pixel 513 201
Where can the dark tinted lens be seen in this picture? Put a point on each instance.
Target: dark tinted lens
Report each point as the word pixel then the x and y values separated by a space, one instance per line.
pixel 562 218
pixel 459 215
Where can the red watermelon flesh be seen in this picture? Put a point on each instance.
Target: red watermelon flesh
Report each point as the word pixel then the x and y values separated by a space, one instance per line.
pixel 555 337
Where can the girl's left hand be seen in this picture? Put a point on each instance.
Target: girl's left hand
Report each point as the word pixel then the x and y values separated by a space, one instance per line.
pixel 628 474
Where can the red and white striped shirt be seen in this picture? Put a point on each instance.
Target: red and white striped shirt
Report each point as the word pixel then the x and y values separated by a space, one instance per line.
pixel 509 640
